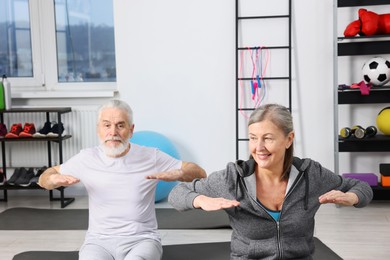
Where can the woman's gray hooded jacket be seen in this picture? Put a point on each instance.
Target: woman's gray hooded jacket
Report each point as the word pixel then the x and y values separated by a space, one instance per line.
pixel 256 235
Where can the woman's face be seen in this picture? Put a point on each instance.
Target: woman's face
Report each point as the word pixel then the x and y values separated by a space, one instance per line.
pixel 268 144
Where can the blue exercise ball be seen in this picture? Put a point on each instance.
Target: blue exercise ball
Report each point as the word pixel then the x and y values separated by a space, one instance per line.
pixel 157 140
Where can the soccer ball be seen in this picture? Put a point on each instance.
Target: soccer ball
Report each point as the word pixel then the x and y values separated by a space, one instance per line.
pixel 376 71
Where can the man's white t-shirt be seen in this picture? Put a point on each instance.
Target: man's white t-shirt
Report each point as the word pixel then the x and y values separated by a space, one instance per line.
pixel 121 199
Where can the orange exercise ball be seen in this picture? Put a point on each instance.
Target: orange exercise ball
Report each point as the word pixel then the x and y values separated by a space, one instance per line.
pixel 383 121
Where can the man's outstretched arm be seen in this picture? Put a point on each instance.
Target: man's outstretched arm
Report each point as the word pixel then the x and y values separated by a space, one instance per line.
pixel 188 172
pixel 51 179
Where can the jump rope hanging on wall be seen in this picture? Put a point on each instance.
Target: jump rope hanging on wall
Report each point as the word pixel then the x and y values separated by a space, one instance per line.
pixel 259 59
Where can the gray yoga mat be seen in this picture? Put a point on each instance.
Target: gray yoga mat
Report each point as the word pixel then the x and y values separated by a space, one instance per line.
pixel 203 251
pixel 77 219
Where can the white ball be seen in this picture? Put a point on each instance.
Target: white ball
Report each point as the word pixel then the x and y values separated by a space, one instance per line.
pixel 376 71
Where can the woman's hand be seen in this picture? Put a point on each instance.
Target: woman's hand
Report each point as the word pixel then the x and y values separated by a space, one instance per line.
pixel 211 204
pixel 339 197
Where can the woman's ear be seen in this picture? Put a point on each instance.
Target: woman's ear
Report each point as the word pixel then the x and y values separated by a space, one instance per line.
pixel 290 137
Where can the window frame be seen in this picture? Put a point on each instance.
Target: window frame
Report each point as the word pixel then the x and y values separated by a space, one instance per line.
pixel 44 56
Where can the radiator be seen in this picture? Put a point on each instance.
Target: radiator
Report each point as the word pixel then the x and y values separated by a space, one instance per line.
pixel 80 123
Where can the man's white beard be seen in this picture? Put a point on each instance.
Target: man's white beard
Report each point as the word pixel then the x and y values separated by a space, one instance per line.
pixel 114 151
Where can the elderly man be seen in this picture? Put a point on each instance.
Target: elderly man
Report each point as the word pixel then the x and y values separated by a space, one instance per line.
pixel 120 178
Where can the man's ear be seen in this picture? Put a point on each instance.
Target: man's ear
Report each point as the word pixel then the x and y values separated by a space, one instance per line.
pixel 131 131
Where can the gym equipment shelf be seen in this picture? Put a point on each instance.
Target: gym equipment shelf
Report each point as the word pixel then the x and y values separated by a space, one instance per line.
pixel 372 144
pixel 353 96
pixel 380 192
pixel 356 46
pixel 47 110
pixel 351 3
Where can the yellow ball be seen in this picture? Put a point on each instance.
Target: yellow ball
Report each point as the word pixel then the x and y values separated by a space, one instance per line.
pixel 383 121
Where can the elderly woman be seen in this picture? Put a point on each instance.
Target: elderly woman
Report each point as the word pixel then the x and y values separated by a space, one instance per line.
pixel 272 198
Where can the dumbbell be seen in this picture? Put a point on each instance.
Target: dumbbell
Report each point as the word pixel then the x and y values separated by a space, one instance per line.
pixel 358 131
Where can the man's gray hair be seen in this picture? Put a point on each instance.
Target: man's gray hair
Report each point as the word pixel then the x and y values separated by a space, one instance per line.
pixel 119 104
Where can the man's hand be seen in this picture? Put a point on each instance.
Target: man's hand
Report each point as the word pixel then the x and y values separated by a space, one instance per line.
pixel 212 204
pixel 62 180
pixel 339 197
pixel 188 172
pixel 175 175
pixel 51 179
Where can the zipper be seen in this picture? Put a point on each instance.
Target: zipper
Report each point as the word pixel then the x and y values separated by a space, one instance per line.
pixel 276 222
pixel 281 211
pixel 278 238
pixel 280 253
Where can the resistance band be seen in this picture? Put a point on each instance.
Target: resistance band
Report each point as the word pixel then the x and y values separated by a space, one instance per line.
pixel 257 83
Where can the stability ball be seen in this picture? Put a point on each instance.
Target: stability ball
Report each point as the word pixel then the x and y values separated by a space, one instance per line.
pixel 383 121
pixel 157 140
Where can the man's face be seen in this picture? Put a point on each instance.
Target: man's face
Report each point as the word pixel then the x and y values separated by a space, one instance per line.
pixel 114 131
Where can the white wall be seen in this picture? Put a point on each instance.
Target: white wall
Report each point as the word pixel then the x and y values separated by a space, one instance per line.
pixel 176 67
pixel 313 100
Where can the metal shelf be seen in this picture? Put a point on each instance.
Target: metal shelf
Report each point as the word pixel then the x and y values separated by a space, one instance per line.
pixel 60 110
pixel 381 193
pixel 33 139
pixel 352 3
pixel 47 110
pixel 353 96
pixel 378 143
pixel 363 48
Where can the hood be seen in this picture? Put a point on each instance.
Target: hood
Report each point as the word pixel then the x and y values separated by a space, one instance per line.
pixel 247 168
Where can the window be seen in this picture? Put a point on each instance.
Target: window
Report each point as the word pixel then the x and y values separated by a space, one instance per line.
pixel 58 44
pixel 15 39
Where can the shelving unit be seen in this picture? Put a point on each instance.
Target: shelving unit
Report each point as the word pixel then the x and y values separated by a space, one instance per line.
pixel 284 16
pixel 58 112
pixel 356 46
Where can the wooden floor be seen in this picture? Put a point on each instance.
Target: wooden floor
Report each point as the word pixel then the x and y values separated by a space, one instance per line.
pixel 351 233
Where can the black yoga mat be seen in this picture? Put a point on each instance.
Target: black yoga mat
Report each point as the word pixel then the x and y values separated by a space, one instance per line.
pixel 203 251
pixel 77 219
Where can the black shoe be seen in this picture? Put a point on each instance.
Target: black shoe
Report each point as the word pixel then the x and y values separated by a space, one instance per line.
pixel 2 178
pixel 16 175
pixel 56 130
pixel 44 131
pixel 3 130
pixel 25 178
pixel 35 179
